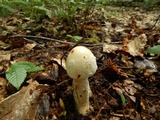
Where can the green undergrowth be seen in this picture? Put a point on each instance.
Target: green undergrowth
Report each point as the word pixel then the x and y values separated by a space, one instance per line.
pixel 36 9
pixel 62 9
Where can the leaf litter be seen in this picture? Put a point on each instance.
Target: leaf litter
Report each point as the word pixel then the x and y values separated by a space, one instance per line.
pixel 125 86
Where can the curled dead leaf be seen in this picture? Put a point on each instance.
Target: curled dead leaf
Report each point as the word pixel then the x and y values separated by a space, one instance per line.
pixel 136 46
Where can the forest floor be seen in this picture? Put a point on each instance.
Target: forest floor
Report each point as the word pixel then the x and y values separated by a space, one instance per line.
pixel 126 85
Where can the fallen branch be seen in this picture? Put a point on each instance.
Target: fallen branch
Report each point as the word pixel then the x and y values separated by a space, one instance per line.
pixel 59 41
pixel 51 39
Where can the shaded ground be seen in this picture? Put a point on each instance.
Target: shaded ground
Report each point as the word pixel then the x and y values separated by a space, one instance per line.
pixel 124 69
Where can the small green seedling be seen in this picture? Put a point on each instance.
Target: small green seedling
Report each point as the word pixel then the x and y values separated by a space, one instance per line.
pixel 75 38
pixel 18 72
pixel 123 100
pixel 79 38
pixel 94 40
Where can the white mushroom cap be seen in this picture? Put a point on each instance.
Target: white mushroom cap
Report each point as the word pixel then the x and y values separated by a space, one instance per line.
pixel 81 63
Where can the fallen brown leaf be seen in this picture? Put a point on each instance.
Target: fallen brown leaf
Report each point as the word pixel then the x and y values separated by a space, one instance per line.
pixel 21 105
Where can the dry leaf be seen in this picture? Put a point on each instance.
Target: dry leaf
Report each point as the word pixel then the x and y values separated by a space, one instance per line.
pixel 21 105
pixel 108 48
pixel 60 62
pixel 136 46
pixel 91 27
pixel 3 83
pixel 130 87
pixel 62 106
pixel 5 55
pixel 127 60
pixel 30 46
pixel 4 45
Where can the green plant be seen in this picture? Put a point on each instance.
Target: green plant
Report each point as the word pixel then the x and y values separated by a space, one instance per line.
pixel 17 4
pixel 123 99
pixel 75 38
pixel 149 3
pixel 79 38
pixel 36 12
pixel 94 40
pixel 6 10
pixel 31 8
pixel 18 72
pixel 10 6
pixel 154 50
pixel 61 9
pixel 67 9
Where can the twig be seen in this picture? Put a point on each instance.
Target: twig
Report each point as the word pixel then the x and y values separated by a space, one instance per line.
pixel 156 22
pixel 51 39
pixel 59 41
pixel 42 38
pixel 119 115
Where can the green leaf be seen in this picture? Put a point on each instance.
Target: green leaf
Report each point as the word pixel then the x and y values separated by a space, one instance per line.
pixel 16 76
pixel 75 38
pixel 18 72
pixel 28 66
pixel 94 40
pixel 68 35
pixel 18 4
pixel 154 50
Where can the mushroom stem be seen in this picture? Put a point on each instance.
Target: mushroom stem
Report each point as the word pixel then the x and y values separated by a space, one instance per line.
pixel 81 95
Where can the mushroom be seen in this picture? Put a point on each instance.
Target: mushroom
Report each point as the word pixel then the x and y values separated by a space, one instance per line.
pixel 80 65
